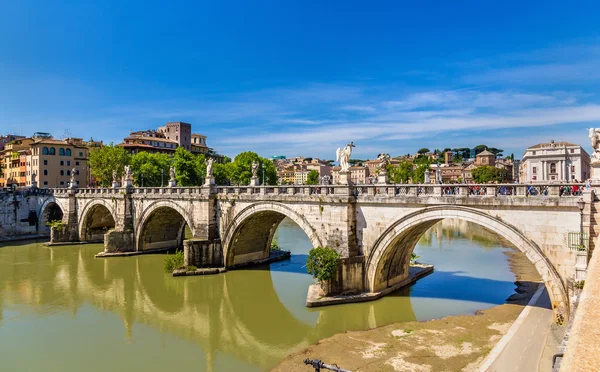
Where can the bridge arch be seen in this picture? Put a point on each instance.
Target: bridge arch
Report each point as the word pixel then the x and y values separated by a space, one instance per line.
pixel 162 225
pixel 248 237
pixel 388 261
pixel 50 210
pixel 97 217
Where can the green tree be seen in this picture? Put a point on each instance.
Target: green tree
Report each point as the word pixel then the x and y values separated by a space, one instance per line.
pixel 186 168
pixel 322 263
pixel 423 151
pixel 312 178
pixel 152 168
pixel 400 173
pixel 418 175
pixel 486 174
pixel 104 160
pixel 221 173
pixel 447 149
pixel 240 170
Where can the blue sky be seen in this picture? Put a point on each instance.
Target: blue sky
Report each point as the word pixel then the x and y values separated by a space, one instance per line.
pixel 305 77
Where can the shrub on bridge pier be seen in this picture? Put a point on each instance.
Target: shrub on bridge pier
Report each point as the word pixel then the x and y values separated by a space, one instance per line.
pixel 173 261
pixel 322 263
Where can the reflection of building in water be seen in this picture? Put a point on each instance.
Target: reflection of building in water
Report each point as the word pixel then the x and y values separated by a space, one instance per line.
pixel 238 313
pixel 451 228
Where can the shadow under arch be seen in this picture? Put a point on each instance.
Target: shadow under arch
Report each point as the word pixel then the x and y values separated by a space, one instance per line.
pixel 97 218
pixel 49 211
pixel 162 226
pixel 388 262
pixel 248 237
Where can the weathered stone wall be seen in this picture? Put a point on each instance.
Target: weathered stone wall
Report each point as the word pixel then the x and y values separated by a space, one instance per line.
pixel 21 212
pixel 203 253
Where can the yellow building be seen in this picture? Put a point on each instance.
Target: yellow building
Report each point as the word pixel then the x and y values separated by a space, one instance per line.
pixel 53 162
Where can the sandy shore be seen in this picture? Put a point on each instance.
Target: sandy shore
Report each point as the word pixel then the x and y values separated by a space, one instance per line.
pixel 454 343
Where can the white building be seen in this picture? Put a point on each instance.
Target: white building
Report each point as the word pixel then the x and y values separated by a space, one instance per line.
pixel 554 162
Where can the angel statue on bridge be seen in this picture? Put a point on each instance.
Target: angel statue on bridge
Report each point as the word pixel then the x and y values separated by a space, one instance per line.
pixel 343 155
pixel 594 134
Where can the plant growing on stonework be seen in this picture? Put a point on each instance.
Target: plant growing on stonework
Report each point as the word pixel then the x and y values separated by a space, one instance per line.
pixel 173 261
pixel 58 225
pixel 322 263
pixel 414 258
pixel 274 245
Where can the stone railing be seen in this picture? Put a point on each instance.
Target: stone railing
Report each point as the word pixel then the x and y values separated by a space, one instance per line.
pixel 405 190
pixel 473 190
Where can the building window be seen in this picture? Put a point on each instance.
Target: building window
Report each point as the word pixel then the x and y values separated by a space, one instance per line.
pixel 572 151
pixel 62 182
pixel 534 170
pixel 68 152
pixel 45 183
pixel 62 172
pixel 45 151
pixel 76 163
pixel 68 173
pixel 68 163
pixel 61 152
pixel 62 163
pixel 81 154
pixel 45 162
pixel 52 151
pixel 45 172
pixel 553 168
pixel 573 168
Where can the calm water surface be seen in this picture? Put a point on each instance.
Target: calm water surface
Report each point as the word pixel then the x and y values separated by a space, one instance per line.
pixel 63 310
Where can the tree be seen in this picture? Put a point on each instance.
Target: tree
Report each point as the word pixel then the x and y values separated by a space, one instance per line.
pixel 486 173
pixel 418 175
pixel 240 170
pixel 423 151
pixel 401 173
pixel 221 173
pixel 106 159
pixel 447 149
pixel 152 168
pixel 312 178
pixel 186 168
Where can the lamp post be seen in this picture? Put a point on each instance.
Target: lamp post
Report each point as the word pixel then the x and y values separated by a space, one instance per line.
pixel 581 205
pixel 162 171
pixel 263 173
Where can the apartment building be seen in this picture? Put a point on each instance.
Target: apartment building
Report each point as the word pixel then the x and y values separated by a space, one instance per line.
pixel 53 162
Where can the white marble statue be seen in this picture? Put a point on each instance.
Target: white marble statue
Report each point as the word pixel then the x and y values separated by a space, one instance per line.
pixel 114 176
pixel 254 169
pixel 127 173
pixel 171 174
pixel 209 169
pixel 72 181
pixel 384 160
pixel 594 134
pixel 343 155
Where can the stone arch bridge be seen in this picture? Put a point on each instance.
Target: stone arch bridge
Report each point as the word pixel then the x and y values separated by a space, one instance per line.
pixel 374 228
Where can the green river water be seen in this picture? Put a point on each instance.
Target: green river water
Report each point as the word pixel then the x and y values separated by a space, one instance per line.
pixel 61 309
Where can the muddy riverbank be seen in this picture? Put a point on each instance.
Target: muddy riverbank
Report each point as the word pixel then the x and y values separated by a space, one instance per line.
pixel 454 343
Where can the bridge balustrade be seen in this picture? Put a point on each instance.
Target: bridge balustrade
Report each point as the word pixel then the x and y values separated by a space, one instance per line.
pixel 391 190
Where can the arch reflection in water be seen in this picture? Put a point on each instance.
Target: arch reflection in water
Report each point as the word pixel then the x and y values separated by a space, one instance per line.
pixel 128 309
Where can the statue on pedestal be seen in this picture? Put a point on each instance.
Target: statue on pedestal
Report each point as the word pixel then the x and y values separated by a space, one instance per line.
pixel 343 155
pixel 209 167
pixel 254 169
pixel 171 174
pixel 594 134
pixel 384 160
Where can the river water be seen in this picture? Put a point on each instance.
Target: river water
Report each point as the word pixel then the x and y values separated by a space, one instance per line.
pixel 61 309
